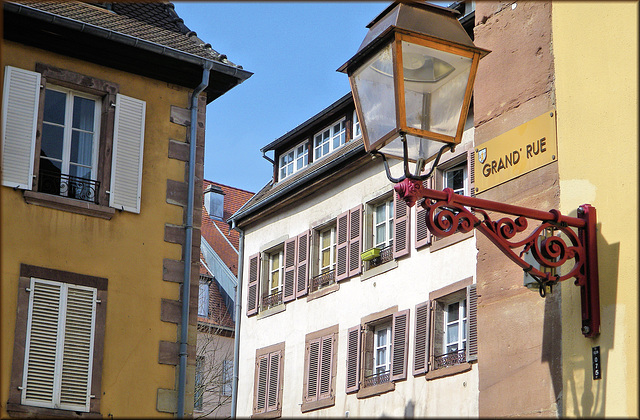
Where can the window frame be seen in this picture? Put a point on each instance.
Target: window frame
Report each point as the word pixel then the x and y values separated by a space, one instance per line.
pixel 342 134
pixel 309 403
pixel 299 151
pixel 15 405
pixel 271 353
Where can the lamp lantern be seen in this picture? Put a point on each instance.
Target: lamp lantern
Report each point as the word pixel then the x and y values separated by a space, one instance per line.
pixel 412 80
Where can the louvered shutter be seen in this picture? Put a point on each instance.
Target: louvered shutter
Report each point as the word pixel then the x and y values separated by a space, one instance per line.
pixel 19 123
pixel 289 292
pixel 355 235
pixel 128 147
pixel 472 323
pixel 326 367
pixel 313 366
pixel 342 247
pixel 401 227
pixel 302 276
pixel 471 174
pixel 423 235
pixel 260 390
pixel 400 342
pixel 421 335
pixel 353 359
pixel 273 387
pixel 253 284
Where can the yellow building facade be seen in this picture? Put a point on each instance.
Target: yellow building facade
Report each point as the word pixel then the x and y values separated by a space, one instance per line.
pixel 595 48
pixel 58 244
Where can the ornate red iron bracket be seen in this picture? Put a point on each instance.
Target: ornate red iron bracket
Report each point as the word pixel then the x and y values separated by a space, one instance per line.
pixel 448 213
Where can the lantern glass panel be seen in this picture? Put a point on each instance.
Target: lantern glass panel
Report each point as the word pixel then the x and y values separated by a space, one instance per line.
pixel 374 86
pixel 435 83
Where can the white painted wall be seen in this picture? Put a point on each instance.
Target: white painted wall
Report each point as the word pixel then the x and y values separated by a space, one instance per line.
pixel 405 286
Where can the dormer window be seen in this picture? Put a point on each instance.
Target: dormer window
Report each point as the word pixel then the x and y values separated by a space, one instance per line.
pixel 329 139
pixel 294 160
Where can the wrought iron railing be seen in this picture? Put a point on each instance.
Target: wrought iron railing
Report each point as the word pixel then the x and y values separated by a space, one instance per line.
pixel 386 255
pixel 377 378
pixel 269 301
pixel 450 359
pixel 322 280
pixel 68 186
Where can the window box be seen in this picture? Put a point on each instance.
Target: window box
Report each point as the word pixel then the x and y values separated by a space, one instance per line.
pixel 370 254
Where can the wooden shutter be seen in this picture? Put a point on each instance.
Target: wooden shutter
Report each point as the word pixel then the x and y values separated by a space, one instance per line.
pixel 128 147
pixel 421 342
pixel 401 233
pixel 253 285
pixel 400 343
pixel 471 174
pixel 355 236
pixel 289 289
pixel 19 122
pixel 312 358
pixel 353 359
pixel 273 387
pixel 260 387
pixel 472 323
pixel 423 235
pixel 326 367
pixel 342 247
pixel 302 275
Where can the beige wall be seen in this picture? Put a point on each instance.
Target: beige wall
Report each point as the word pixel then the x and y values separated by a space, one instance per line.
pixel 595 46
pixel 128 250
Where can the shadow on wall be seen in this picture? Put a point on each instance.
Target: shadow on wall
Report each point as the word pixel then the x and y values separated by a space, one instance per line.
pixel 409 410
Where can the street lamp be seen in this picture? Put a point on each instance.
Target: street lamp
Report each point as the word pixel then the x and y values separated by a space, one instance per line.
pixel 412 80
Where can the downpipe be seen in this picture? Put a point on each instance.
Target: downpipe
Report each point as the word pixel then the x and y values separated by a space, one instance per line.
pixel 236 337
pixel 186 282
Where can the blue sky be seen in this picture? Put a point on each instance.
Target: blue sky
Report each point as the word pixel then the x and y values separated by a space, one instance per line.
pixel 293 49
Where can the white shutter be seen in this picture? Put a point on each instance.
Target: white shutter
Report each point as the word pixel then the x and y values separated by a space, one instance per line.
pixel 19 121
pixel 59 348
pixel 128 145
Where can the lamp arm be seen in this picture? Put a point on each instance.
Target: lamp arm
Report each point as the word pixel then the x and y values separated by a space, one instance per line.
pixel 448 213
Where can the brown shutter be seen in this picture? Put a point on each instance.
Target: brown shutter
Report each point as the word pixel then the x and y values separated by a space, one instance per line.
pixel 326 367
pixel 353 359
pixel 421 344
pixel 313 364
pixel 342 247
pixel 472 323
pixel 400 343
pixel 423 235
pixel 273 387
pixel 302 265
pixel 253 284
pixel 355 236
pixel 401 227
pixel 260 388
pixel 471 174
pixel 436 336
pixel 289 290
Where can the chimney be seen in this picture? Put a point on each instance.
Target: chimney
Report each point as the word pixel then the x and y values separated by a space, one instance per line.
pixel 214 202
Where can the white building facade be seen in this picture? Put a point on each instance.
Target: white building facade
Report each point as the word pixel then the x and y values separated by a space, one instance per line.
pixel 328 332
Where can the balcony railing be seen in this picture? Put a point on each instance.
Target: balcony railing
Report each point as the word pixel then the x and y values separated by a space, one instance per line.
pixel 322 280
pixel 450 359
pixel 68 186
pixel 269 301
pixel 377 378
pixel 386 255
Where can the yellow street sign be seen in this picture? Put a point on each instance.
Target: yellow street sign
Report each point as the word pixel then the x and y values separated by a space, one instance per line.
pixel 516 152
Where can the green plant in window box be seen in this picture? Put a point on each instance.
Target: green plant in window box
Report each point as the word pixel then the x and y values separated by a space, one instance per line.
pixel 370 254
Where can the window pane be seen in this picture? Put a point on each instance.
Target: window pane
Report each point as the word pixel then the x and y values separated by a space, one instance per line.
pixel 380 214
pixel 80 171
pixel 275 279
pixel 381 356
pixel 452 333
pixel 452 348
pixel 81 148
pixel 381 337
pixel 452 312
pixel 54 106
pixel 380 232
pixel 326 257
pixel 83 113
pixel 52 138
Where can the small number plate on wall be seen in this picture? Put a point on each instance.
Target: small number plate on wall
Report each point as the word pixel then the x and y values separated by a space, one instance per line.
pixel 595 356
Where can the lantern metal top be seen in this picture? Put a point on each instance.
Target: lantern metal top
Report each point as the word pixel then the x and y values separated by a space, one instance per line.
pixel 420 17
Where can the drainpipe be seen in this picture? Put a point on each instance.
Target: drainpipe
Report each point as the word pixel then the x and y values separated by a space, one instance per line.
pixel 236 337
pixel 186 282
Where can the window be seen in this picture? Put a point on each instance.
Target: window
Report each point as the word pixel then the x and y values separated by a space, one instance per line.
pixel 203 299
pixel 320 369
pixel 74 137
pixel 294 160
pixel 272 291
pixel 356 126
pixel 377 352
pixel 267 391
pixel 383 224
pixel 199 384
pixel 456 179
pixel 57 359
pixel 227 377
pixel 329 140
pixel 446 331
pixel 325 264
